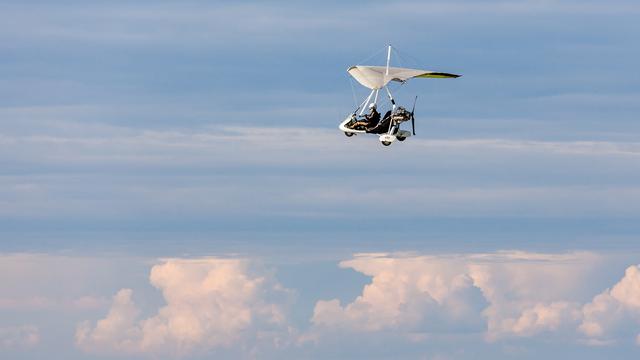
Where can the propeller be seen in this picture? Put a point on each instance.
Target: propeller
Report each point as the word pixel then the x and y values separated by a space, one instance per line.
pixel 413 119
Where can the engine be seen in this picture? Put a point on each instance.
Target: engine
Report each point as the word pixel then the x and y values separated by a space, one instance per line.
pixel 401 115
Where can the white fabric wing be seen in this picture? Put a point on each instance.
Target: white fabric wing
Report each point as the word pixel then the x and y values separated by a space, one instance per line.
pixel 376 77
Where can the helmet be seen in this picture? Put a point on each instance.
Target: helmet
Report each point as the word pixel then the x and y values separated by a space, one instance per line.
pixel 372 106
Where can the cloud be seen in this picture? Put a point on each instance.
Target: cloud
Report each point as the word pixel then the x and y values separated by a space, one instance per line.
pixel 210 304
pixel 26 303
pixel 31 303
pixel 503 295
pixel 30 282
pixel 19 337
pixel 234 308
pixel 409 294
pixel 541 317
pixel 166 23
pixel 615 312
pixel 208 170
pixel 108 144
pixel 530 293
pixel 117 331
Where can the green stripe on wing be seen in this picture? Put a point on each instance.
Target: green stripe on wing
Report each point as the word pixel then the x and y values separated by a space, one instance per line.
pixel 438 75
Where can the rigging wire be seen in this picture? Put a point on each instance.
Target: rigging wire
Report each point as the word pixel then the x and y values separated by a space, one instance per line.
pixel 415 61
pixel 353 92
pixel 398 57
pixel 363 61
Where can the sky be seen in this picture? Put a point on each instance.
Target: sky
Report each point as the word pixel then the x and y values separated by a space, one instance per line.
pixel 173 182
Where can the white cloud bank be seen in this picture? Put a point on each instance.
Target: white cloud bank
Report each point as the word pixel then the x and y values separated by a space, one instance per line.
pixel 210 303
pixel 502 295
pixel 225 306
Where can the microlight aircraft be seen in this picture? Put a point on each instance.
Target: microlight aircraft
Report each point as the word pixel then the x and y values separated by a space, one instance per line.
pixel 377 78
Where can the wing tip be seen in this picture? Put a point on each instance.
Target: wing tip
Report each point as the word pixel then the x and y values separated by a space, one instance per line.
pixel 442 74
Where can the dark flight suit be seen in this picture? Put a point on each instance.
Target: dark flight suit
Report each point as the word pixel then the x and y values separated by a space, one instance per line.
pixel 371 119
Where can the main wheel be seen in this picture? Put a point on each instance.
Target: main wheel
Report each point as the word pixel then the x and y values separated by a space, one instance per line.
pixel 386 143
pixel 401 138
pixel 349 134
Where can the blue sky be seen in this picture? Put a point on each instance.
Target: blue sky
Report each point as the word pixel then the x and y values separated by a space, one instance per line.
pixel 137 134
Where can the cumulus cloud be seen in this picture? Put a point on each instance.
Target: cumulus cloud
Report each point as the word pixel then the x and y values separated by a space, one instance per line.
pixel 503 295
pixel 529 293
pixel 615 312
pixel 117 331
pixel 410 294
pixel 210 303
pixel 533 320
pixel 19 337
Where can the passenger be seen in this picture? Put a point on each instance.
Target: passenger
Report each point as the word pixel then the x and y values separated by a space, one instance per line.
pixel 370 120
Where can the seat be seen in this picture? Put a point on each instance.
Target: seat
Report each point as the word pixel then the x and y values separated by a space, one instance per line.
pixel 382 126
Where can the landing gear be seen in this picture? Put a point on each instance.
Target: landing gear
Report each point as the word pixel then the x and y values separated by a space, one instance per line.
pixel 349 134
pixel 402 135
pixel 386 139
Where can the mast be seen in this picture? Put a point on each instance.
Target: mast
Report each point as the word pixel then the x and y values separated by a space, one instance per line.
pixel 393 103
pixel 388 58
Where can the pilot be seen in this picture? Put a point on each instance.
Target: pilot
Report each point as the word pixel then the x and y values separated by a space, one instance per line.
pixel 370 120
pixel 373 117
